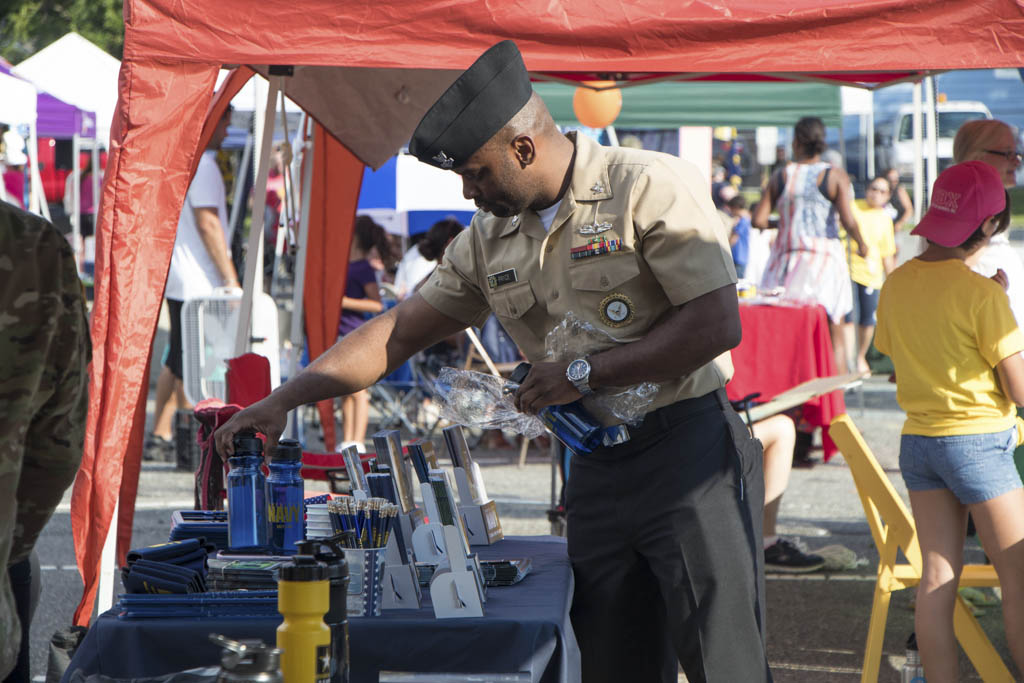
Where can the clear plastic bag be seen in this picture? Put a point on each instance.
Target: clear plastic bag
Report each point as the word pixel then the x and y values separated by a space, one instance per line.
pixel 575 338
pixel 481 400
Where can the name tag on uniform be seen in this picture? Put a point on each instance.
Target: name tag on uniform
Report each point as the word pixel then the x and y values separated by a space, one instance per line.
pixel 505 277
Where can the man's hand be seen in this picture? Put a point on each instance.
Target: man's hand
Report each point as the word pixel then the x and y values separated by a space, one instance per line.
pixel 546 385
pixel 264 417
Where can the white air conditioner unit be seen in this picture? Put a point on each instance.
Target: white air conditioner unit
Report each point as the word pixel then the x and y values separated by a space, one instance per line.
pixel 208 328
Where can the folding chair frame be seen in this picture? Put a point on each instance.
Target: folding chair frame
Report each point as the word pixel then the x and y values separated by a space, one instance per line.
pixel 892 527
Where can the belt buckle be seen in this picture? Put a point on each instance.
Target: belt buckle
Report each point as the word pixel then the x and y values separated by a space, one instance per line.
pixel 615 435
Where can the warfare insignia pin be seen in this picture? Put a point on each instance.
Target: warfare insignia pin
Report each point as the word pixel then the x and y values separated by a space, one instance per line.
pixel 597 188
pixel 443 160
pixel 594 228
pixel 616 310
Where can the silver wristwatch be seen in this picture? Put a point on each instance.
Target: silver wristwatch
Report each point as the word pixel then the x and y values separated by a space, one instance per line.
pixel 578 373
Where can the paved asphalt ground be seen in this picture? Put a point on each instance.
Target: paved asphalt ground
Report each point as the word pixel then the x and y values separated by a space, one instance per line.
pixel 817 623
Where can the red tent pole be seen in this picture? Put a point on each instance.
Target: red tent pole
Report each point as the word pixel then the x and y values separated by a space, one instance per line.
pixel 337 179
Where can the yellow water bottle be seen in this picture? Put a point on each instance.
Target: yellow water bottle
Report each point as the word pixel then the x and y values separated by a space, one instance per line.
pixel 303 596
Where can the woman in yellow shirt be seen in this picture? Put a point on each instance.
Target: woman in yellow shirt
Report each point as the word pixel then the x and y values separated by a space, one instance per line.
pixel 956 349
pixel 868 272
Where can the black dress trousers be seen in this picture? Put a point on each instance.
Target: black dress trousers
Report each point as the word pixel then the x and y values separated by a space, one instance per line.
pixel 664 537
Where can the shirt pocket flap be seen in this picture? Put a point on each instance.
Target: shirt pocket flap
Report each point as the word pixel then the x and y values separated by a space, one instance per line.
pixel 513 301
pixel 601 273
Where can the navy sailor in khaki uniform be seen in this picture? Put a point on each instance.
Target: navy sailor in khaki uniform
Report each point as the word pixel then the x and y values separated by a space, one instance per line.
pixel 664 530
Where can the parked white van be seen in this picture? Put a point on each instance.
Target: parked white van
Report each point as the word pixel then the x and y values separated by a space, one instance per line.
pixel 894 140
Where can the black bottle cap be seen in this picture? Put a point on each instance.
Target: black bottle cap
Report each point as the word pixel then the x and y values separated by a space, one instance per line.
pixel 330 551
pixel 287 449
pixel 304 568
pixel 518 375
pixel 247 442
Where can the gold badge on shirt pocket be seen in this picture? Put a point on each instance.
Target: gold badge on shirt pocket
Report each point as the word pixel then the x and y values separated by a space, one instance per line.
pixel 617 310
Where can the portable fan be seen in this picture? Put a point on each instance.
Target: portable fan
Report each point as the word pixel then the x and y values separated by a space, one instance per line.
pixel 208 328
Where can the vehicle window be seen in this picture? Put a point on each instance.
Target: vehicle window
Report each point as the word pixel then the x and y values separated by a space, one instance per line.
pixel 949 123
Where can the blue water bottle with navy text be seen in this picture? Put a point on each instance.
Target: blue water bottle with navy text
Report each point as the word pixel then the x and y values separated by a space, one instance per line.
pixel 247 498
pixel 284 497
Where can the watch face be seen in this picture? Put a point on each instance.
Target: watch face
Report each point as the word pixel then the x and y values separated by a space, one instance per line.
pixel 578 369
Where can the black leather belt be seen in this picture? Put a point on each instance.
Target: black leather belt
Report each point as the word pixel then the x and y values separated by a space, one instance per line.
pixel 660 419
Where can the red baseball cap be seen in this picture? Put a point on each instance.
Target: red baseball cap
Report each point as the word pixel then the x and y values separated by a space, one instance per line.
pixel 963 196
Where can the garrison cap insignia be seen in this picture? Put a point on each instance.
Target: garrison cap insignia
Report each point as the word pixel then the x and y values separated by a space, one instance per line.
pixel 443 160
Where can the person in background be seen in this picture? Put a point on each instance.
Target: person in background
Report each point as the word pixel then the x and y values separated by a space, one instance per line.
pixel 956 349
pixel 201 261
pixel 778 435
pixel 421 258
pixel 869 273
pixel 44 340
pixel 993 142
pixel 780 161
pixel 718 184
pixel 899 208
pixel 86 202
pixel 739 236
pixel 13 160
pixel 370 246
pixel 807 258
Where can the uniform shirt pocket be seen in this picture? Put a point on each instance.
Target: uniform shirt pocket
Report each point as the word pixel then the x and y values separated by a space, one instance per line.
pixel 602 273
pixel 513 301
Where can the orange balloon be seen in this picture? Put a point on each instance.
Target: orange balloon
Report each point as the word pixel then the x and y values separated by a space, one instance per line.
pixel 597 108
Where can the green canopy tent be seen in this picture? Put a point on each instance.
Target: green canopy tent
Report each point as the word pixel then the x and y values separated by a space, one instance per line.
pixel 742 105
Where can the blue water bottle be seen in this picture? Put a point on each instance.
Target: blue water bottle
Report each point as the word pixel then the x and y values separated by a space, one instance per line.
pixel 284 497
pixel 571 423
pixel 247 501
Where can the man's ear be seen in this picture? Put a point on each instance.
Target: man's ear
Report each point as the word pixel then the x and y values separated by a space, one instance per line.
pixel 524 149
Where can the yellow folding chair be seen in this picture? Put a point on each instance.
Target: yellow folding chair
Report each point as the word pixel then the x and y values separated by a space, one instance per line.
pixel 892 527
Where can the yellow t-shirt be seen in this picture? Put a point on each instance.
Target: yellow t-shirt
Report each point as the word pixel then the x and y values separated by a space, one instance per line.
pixel 877 231
pixel 946 328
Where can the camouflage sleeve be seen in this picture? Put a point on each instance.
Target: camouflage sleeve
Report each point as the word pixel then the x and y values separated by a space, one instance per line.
pixel 43 398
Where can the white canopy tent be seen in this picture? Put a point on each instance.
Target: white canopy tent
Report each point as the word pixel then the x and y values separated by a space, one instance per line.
pixel 79 72
pixel 18 100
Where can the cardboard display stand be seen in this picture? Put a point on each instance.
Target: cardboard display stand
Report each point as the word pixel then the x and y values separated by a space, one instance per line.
pixel 479 513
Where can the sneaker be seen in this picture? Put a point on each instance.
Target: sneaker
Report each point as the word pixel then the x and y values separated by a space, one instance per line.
pixel 158 449
pixel 785 556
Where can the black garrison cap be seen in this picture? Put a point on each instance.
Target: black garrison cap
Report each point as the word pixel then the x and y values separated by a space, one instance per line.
pixel 475 107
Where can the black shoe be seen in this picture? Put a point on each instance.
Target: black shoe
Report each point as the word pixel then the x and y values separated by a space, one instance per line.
pixel 802 450
pixel 785 556
pixel 158 449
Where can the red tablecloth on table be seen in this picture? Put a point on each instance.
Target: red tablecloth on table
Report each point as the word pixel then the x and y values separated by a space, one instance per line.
pixel 783 346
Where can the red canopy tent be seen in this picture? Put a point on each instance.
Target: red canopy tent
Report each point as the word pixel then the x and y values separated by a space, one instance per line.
pixel 366 73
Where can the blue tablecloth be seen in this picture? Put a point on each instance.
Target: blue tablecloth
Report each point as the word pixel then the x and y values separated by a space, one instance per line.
pixel 526 628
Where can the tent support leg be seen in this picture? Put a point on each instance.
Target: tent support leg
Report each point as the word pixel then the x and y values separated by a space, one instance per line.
pixel 253 260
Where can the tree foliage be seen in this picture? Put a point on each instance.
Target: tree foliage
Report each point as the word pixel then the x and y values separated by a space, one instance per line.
pixel 27 26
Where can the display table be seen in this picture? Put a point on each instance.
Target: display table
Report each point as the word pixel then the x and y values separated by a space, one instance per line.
pixel 526 629
pixel 784 346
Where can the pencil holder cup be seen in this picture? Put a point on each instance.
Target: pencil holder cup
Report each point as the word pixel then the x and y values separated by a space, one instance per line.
pixel 366 581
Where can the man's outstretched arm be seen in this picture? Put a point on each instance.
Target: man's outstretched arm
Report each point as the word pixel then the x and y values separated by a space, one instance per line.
pixel 355 362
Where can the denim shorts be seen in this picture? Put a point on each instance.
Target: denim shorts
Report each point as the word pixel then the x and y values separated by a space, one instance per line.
pixel 865 304
pixel 975 467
